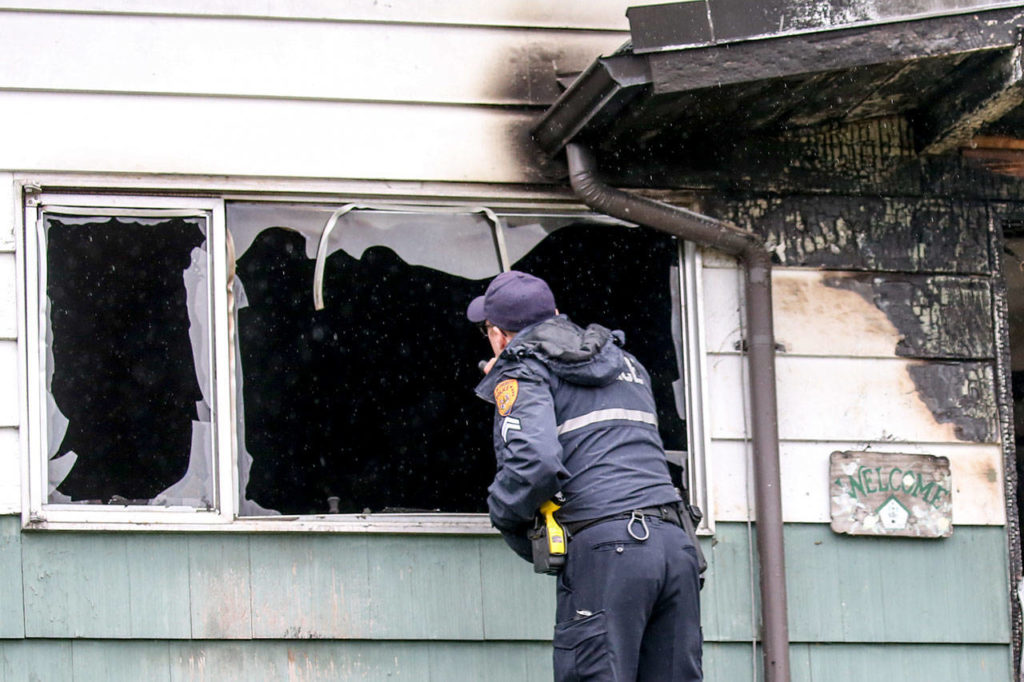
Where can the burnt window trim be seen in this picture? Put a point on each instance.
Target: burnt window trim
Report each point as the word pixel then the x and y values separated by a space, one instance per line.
pixel 36 514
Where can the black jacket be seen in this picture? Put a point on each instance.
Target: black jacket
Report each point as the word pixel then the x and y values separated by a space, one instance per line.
pixel 574 413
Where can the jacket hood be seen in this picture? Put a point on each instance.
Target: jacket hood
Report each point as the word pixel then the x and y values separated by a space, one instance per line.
pixel 587 357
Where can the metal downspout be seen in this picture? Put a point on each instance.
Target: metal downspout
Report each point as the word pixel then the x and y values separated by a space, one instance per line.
pixel 750 250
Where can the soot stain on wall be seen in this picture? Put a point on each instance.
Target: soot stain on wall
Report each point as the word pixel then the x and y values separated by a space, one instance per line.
pixel 941 317
pixel 937 316
pixel 962 394
pixel 861 233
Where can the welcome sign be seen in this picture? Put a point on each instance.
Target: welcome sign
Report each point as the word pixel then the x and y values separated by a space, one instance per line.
pixel 881 493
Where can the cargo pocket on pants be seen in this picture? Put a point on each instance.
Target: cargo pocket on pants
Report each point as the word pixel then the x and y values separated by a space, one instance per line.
pixel 581 650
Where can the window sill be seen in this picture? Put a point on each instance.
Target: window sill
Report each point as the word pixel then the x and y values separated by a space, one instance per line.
pixel 438 524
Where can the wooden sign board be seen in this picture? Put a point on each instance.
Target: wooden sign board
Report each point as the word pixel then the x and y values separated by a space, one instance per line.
pixel 881 493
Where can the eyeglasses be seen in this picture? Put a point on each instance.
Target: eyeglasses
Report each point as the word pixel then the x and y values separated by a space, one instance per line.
pixel 485 328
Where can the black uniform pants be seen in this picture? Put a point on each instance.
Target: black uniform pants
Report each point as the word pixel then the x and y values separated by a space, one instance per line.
pixel 629 610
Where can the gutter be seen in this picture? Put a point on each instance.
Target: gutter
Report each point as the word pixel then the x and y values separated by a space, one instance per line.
pixel 751 252
pixel 596 97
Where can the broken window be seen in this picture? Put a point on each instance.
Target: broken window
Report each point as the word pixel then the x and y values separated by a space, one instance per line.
pixel 368 404
pixel 258 359
pixel 123 299
pixel 120 355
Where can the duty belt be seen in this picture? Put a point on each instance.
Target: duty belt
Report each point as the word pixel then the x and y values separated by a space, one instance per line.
pixel 665 512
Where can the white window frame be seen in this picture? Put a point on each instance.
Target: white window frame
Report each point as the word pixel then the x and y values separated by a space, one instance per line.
pixel 33 249
pixel 695 374
pixel 37 514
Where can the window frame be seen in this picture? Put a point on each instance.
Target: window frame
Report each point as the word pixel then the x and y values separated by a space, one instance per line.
pixel 33 242
pixel 37 514
pixel 696 378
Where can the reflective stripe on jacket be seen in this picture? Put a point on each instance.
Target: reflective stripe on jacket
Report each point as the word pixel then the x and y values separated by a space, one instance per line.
pixel 574 413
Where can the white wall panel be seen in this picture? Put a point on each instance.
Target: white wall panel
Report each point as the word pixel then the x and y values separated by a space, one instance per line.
pixel 590 14
pixel 9 396
pixel 288 59
pixel 840 386
pixel 810 318
pixel 8 298
pixel 9 209
pixel 235 136
pixel 10 471
pixel 976 472
pixel 723 315
pixel 833 399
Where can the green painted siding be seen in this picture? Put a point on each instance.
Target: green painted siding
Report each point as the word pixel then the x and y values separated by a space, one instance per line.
pixel 158 613
pixel 77 586
pixel 300 660
pixel 518 603
pixel 859 662
pixel 36 660
pixel 325 591
pixel 316 661
pixel 903 662
pixel 860 589
pixel 12 613
pixel 727 606
pixel 220 586
pixel 179 606
pixel 440 575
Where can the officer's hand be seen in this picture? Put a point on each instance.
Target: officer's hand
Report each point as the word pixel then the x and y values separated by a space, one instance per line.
pixel 490 364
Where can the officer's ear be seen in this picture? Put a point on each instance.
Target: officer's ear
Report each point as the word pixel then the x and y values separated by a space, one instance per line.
pixel 498 338
pixel 505 337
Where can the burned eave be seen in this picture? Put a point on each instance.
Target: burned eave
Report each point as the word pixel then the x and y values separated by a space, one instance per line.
pixel 685 112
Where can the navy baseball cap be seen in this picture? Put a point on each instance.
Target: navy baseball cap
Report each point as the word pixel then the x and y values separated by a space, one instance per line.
pixel 513 300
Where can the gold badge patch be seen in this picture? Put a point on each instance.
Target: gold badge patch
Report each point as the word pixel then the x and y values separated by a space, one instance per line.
pixel 505 394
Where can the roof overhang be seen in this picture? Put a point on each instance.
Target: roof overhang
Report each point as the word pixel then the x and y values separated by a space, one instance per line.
pixel 952 76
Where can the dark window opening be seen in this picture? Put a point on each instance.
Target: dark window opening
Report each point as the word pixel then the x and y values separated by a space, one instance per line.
pixel 122 375
pixel 623 279
pixel 370 400
pixel 620 278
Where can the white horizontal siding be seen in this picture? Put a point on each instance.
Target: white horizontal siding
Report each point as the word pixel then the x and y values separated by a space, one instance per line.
pixel 280 59
pixel 10 471
pixel 10 209
pixel 840 387
pixel 831 399
pixel 8 297
pixel 976 473
pixel 9 396
pixel 286 138
pixel 810 318
pixel 584 14
pixel 407 91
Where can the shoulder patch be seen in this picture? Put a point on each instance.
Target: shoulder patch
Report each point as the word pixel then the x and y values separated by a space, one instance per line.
pixel 505 394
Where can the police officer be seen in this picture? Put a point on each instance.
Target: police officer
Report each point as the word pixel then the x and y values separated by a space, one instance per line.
pixel 575 417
